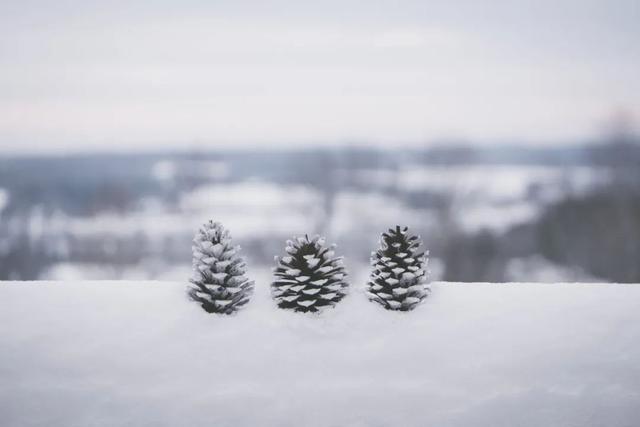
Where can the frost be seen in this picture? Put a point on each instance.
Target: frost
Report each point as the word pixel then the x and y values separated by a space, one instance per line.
pixel 411 300
pixel 394 304
pixel 313 262
pixel 306 303
pixel 329 296
pixel 217 250
pixel 219 276
pixel 224 264
pixel 416 288
pixel 203 295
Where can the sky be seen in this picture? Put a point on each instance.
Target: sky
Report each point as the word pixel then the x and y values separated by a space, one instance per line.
pixel 140 75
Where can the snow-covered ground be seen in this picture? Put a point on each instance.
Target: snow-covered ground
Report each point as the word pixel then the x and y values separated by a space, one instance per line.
pixel 141 354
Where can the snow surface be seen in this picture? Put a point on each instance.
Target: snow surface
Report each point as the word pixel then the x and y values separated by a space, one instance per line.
pixel 141 354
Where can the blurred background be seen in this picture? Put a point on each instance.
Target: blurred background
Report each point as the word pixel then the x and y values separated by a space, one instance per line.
pixel 505 133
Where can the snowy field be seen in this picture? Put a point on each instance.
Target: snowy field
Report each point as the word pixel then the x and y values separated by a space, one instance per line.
pixel 140 354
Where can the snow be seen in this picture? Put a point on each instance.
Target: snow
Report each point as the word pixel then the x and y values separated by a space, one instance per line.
pixel 4 199
pixel 494 197
pixel 169 170
pixel 164 170
pixel 249 195
pixel 140 353
pixel 498 218
pixel 538 269
pixel 499 183
pixel 251 209
pixel 352 213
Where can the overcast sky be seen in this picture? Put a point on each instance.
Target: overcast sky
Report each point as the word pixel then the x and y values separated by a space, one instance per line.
pixel 141 75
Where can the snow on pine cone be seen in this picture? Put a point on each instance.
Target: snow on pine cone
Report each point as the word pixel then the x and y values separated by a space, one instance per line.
pixel 218 283
pixel 309 277
pixel 398 280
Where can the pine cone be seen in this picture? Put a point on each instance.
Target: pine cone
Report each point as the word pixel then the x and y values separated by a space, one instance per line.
pixel 219 283
pixel 398 278
pixel 309 277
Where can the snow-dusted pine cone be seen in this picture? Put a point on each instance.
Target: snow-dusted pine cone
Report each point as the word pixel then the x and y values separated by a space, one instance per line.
pixel 398 280
pixel 309 277
pixel 218 283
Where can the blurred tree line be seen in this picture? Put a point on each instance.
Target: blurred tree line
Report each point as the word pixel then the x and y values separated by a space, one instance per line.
pixel 597 232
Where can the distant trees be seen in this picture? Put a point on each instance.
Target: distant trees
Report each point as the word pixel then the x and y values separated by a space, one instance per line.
pixel 474 257
pixel 619 155
pixel 600 231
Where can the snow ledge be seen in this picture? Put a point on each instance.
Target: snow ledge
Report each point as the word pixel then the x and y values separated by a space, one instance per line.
pixel 140 353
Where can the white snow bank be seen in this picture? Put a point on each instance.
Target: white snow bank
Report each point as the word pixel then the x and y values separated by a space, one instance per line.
pixel 141 354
